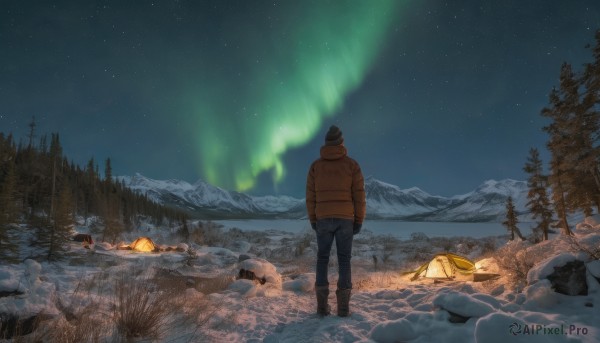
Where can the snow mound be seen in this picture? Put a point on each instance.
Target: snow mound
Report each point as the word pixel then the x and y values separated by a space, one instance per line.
pixel 9 281
pixel 462 304
pixel 241 246
pixel 262 269
pixel 594 268
pixel 546 267
pixel 103 246
pixel 37 295
pixel 488 265
pixel 500 327
pixel 246 288
pixel 541 295
pixel 303 283
pixel 594 220
pixel 400 330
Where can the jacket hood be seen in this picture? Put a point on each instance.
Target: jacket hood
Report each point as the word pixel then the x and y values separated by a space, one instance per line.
pixel 333 152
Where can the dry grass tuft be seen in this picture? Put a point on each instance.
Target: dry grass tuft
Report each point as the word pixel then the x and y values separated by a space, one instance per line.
pixel 141 312
pixel 85 327
pixel 213 285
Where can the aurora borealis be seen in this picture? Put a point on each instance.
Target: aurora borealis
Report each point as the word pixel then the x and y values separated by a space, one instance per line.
pixel 434 94
pixel 298 78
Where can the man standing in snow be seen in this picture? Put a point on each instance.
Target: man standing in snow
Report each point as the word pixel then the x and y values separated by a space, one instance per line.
pixel 336 206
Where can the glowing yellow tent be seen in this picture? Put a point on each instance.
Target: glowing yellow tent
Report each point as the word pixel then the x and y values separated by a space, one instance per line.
pixel 143 244
pixel 445 266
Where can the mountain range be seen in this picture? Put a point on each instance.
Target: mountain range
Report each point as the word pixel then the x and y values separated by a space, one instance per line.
pixel 487 203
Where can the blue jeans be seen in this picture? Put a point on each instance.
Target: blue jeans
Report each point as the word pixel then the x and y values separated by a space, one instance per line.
pixel 341 230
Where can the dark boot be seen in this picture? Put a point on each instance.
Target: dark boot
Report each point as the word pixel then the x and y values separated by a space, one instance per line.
pixel 343 302
pixel 323 309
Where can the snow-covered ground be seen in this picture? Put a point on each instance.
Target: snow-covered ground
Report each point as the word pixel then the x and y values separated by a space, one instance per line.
pixel 198 298
pixel 396 228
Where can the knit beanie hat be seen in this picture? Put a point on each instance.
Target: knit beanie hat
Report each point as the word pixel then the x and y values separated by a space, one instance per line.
pixel 334 136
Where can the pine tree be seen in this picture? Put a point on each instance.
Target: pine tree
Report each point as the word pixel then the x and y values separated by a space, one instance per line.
pixel 538 203
pixel 31 133
pixel 108 172
pixel 113 226
pixel 563 102
pixel 62 224
pixel 558 196
pixel 9 212
pixel 55 164
pixel 591 102
pixel 63 221
pixel 184 230
pixel 511 220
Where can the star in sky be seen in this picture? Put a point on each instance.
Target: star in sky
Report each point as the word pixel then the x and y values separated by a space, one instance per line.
pixel 438 95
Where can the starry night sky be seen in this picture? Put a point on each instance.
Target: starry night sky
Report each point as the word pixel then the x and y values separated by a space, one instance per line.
pixel 434 94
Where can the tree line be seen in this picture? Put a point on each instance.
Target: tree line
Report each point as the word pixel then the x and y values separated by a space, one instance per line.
pixel 572 183
pixel 42 192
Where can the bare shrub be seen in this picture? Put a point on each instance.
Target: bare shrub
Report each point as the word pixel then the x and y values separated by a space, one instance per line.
pixel 190 257
pixel 79 323
pixel 443 244
pixel 577 246
pixel 385 279
pixel 174 282
pixel 488 246
pixel 417 254
pixel 17 329
pixel 85 326
pixel 389 246
pixel 194 315
pixel 214 285
pixel 140 312
pixel 516 261
pixel 419 237
pixel 208 233
pixel 302 243
pixel 385 247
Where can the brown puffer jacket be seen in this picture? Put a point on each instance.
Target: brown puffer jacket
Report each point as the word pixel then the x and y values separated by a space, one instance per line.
pixel 335 187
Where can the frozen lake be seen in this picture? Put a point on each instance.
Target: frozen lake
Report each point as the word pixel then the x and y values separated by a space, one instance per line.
pixel 399 229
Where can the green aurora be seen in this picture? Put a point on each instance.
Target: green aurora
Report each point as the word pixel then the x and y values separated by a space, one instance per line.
pixel 301 67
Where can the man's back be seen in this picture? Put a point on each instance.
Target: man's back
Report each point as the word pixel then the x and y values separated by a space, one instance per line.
pixel 335 186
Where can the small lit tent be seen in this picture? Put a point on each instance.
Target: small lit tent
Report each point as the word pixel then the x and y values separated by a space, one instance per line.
pixel 143 244
pixel 445 266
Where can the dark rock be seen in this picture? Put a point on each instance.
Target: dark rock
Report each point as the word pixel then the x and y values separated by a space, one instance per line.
pixel 243 257
pixel 457 318
pixel 249 275
pixel 14 326
pixel 570 279
pixel 9 293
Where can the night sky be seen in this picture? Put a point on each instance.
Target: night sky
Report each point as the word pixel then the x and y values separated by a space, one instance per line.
pixel 433 94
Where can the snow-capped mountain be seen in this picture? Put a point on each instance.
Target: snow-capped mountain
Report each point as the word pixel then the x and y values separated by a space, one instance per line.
pixel 384 201
pixel 206 200
pixel 389 201
pixel 486 203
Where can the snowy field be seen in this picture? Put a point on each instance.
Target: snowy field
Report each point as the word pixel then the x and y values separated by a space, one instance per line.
pixel 399 229
pixel 191 293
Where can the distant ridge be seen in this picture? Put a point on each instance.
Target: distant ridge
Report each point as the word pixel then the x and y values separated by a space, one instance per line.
pixel 384 201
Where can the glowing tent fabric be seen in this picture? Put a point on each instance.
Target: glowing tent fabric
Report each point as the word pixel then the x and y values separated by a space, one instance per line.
pixel 144 244
pixel 445 266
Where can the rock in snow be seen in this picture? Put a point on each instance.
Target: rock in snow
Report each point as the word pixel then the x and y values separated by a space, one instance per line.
pixel 546 267
pixel 262 269
pixel 570 279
